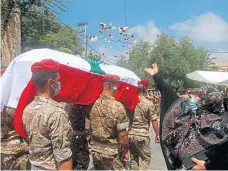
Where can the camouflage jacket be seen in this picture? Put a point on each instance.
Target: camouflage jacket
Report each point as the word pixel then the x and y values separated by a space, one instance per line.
pixel 47 127
pixel 145 112
pixel 11 143
pixel 107 118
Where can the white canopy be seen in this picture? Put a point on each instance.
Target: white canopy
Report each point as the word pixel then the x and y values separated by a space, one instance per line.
pixel 220 78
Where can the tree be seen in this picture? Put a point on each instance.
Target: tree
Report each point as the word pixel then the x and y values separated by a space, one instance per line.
pixel 35 24
pixel 175 59
pixel 65 40
pixel 138 60
pixel 40 28
pixel 123 62
pixel 50 6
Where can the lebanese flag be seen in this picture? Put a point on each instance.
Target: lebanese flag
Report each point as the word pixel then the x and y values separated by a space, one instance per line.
pixel 81 82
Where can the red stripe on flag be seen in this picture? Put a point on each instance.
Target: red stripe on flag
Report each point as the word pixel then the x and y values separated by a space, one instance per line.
pixel 26 97
pixel 79 86
pixel 127 94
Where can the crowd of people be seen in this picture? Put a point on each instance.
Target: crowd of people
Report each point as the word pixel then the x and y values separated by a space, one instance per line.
pixel 62 136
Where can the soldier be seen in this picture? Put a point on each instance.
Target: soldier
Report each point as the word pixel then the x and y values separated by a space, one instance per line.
pixel 14 149
pixel 79 146
pixel 157 102
pixel 156 99
pixel 139 140
pixel 109 124
pixel 46 124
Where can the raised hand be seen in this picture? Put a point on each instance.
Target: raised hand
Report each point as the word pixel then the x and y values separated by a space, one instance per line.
pixel 152 71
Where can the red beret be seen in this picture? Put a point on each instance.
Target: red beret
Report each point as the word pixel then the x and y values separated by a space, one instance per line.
pixel 111 78
pixel 45 65
pixel 144 82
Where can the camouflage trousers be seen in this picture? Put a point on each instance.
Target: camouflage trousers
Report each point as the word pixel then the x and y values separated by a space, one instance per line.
pixel 139 147
pixel 80 154
pixel 15 162
pixel 107 162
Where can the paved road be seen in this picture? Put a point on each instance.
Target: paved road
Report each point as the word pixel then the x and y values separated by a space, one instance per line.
pixel 157 162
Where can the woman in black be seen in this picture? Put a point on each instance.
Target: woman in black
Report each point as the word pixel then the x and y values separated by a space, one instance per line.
pixel 168 96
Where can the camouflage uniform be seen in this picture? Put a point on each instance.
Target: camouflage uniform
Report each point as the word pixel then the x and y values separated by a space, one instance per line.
pixel 47 127
pixel 139 140
pixel 14 150
pixel 79 146
pixel 156 99
pixel 107 118
pixel 157 102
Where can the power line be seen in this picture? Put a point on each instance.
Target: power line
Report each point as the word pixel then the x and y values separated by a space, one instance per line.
pixel 111 40
pixel 216 51
pixel 84 42
pixel 104 57
pixel 28 12
pixel 99 53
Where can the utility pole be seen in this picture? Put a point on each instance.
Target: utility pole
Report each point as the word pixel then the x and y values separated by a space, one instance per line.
pixel 85 25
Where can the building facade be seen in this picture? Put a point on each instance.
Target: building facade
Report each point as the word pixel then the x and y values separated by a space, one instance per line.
pixel 219 65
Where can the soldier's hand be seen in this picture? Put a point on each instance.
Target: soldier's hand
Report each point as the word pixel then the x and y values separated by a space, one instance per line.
pixel 152 71
pixel 157 140
pixel 125 157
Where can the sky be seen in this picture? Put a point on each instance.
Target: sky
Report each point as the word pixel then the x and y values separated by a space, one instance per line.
pixel 204 21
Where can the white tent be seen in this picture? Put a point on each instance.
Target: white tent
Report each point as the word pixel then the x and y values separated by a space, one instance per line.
pixel 219 78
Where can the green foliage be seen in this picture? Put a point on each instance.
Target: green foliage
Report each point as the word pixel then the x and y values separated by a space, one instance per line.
pixel 123 62
pixel 35 24
pixel 65 39
pixel 40 28
pixel 174 59
pixel 66 50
